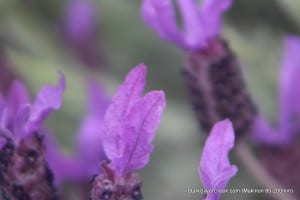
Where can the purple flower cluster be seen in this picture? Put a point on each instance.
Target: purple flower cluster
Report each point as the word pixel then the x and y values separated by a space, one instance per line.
pixel 200 24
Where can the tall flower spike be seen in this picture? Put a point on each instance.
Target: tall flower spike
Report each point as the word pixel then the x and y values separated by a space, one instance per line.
pixel 200 24
pixel 212 72
pixel 279 146
pixel 129 127
pixel 24 171
pixel 214 167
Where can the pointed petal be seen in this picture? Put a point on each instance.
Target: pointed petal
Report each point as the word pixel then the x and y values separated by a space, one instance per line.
pixel 194 32
pixel 211 12
pixel 17 96
pixel 160 16
pixel 214 167
pixel 289 94
pixel 127 94
pixel 140 126
pixel 48 99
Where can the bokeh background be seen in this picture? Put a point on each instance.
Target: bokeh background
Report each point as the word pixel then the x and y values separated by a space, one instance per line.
pixel 31 35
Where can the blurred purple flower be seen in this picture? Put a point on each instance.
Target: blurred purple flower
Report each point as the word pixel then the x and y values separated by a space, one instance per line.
pixel 80 20
pixel 19 118
pixel 80 31
pixel 130 123
pixel 214 167
pixel 85 163
pixel 289 120
pixel 200 24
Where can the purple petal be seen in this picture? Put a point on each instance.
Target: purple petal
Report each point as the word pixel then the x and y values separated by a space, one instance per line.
pixel 64 167
pixel 80 20
pixel 48 99
pixel 194 32
pixel 263 133
pixel 160 16
pixel 211 12
pixel 139 129
pixel 2 142
pixel 17 96
pixel 214 167
pixel 98 100
pixel 127 94
pixel 89 145
pixel 289 93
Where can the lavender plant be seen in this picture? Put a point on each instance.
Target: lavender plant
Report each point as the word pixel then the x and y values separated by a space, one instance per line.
pixel 24 171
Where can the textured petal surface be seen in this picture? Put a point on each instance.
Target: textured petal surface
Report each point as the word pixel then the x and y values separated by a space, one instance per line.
pixel 48 99
pixel 140 126
pixel 214 167
pixel 127 94
pixel 289 92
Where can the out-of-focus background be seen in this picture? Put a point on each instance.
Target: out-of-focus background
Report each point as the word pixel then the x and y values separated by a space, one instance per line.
pixel 33 37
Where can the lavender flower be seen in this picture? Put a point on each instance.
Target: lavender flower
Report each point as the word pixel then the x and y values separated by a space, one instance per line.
pixel 279 146
pixel 214 167
pixel 212 72
pixel 84 163
pixel 200 24
pixel 128 131
pixel 80 31
pixel 288 121
pixel 23 169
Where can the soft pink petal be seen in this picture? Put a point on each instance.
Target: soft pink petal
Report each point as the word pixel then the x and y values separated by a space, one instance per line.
pixel 214 167
pixel 48 99
pixel 127 94
pixel 289 92
pixel 140 126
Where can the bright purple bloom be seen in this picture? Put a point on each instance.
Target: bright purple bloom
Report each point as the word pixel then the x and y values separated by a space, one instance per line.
pixel 130 123
pixel 289 97
pixel 214 167
pixel 19 118
pixel 200 24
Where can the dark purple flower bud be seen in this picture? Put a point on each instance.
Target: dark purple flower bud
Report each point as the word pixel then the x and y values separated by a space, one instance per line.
pixel 217 88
